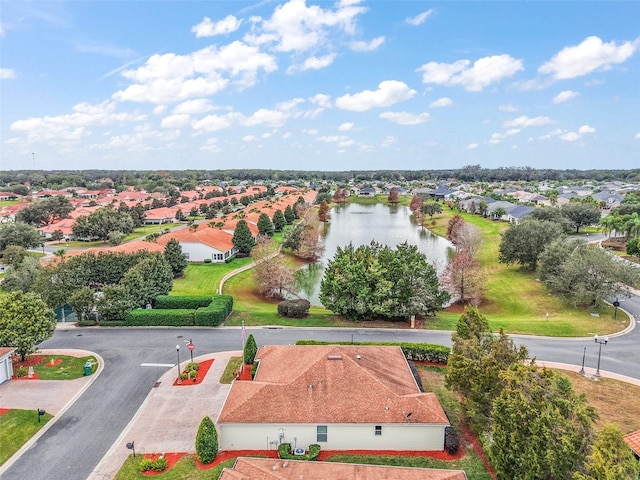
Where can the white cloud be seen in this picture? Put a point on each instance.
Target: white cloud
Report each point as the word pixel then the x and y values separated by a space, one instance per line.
pixel 333 138
pixel 211 145
pixel 570 136
pixel 169 78
pixel 524 121
pixel 388 141
pixel 510 108
pixel 296 27
pixel 322 100
pixel 565 96
pixel 637 136
pixel 194 107
pixel 389 92
pixel 420 18
pixel 314 63
pixel 346 127
pixel 484 72
pixel 361 46
pixel 212 123
pixel 207 28
pixel 175 121
pixel 250 138
pixel 310 131
pixel 498 137
pixel 405 118
pixel 286 135
pixel 586 129
pixel 589 56
pixel 472 146
pixel 7 73
pixel 441 102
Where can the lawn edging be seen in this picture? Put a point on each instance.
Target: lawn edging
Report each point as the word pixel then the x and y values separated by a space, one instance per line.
pixel 29 443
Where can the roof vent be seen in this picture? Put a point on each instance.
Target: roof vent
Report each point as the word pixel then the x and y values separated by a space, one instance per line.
pixel 358 357
pixel 334 357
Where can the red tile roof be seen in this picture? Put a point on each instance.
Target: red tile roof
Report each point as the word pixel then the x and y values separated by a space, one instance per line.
pixel 274 469
pixel 330 384
pixel 633 439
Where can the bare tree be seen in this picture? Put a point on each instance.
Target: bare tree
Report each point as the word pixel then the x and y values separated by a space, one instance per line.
pixel 469 239
pixel 464 279
pixel 273 277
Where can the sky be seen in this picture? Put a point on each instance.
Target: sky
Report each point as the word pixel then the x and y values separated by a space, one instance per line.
pixel 319 85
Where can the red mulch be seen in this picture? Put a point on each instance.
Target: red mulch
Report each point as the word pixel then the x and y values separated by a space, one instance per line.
pixel 325 454
pixel 222 456
pixel 53 363
pixel 472 439
pixel 430 364
pixel 4 410
pixel 30 361
pixel 172 459
pixel 202 372
pixel 245 373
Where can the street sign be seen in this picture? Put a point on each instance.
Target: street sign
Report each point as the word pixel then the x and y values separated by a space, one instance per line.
pixel 616 303
pixel 190 347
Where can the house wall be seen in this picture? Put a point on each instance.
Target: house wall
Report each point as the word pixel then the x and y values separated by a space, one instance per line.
pixel 6 368
pixel 199 251
pixel 409 436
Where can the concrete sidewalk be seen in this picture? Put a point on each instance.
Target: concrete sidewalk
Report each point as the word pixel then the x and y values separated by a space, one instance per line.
pixel 168 419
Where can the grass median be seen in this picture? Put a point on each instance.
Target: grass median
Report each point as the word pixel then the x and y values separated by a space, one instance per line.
pixel 17 427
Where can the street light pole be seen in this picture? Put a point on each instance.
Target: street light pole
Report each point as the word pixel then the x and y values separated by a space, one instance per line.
pixel 600 341
pixel 178 351
pixel 583 355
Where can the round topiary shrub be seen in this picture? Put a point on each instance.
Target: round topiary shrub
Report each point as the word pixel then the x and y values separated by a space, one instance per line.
pixel 207 441
pixel 294 308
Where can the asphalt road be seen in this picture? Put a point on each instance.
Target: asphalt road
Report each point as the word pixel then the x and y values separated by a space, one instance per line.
pixel 83 434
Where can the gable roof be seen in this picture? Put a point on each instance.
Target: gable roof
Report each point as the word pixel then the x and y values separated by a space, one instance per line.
pixel 275 469
pixel 330 384
pixel 212 237
pixel 633 439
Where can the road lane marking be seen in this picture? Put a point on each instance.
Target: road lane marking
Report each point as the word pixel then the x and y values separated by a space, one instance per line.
pixel 158 365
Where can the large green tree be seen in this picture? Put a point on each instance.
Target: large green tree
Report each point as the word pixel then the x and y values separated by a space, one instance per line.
pixel 46 211
pixel 278 220
pixel 83 301
pixel 22 276
pixel 581 214
pixel 148 279
pixel 540 428
pixel 523 243
pixel 373 281
pixel 20 234
pixel 265 227
pixel 243 238
pixel 114 303
pixel 173 254
pixel 100 223
pixel 25 321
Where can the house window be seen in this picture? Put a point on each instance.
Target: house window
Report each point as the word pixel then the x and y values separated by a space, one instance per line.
pixel 321 433
pixel 378 430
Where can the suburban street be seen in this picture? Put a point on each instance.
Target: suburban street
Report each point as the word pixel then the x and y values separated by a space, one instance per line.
pixel 76 443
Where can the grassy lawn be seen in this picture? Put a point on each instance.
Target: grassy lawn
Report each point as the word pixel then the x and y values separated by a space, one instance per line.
pixel 233 366
pixel 204 278
pixel 17 427
pixel 185 469
pixel 148 229
pixel 69 369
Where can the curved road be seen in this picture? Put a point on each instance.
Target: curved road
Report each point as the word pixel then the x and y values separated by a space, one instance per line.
pixel 78 440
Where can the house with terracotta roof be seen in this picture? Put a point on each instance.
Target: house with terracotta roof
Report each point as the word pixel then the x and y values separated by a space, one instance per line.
pixel 246 468
pixel 633 439
pixel 202 243
pixel 158 216
pixel 342 397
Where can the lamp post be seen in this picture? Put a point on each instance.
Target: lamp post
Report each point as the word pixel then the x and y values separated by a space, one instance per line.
pixel 600 341
pixel 178 352
pixel 584 353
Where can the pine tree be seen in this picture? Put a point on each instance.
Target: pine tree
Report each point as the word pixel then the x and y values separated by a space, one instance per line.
pixel 278 220
pixel 265 227
pixel 207 441
pixel 242 237
pixel 610 458
pixel 173 254
pixel 289 215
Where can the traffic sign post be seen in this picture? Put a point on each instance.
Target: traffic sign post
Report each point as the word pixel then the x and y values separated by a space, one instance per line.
pixel 615 304
pixel 190 346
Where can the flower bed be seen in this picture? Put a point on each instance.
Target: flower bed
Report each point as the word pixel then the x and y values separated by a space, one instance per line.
pixel 172 459
pixel 245 372
pixel 222 456
pixel 200 374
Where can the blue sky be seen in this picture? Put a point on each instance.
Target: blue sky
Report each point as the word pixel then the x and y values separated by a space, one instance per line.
pixel 310 85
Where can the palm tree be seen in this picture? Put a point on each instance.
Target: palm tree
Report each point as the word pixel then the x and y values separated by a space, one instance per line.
pixel 632 224
pixel 612 223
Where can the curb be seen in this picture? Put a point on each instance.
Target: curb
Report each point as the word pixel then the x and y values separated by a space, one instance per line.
pixel 50 423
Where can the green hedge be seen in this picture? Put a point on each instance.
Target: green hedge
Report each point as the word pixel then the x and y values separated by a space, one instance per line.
pixel 165 318
pixel 216 313
pixel 284 452
pixel 172 302
pixel 419 352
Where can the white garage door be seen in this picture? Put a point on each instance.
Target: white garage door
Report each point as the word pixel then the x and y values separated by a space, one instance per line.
pixel 4 369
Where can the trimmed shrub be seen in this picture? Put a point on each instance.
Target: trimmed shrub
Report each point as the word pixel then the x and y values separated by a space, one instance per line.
pixel 216 312
pixel 207 260
pixel 285 452
pixel 294 308
pixel 419 352
pixel 451 442
pixel 157 465
pixel 207 441
pixel 173 302
pixel 192 366
pixel 166 318
pixel 250 350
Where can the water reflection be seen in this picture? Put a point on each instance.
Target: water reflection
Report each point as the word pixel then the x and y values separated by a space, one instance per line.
pixel 361 224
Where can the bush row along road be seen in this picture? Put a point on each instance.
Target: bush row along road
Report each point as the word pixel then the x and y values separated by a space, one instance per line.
pixel 76 443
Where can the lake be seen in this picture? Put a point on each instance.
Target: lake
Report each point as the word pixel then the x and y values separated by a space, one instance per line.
pixel 361 224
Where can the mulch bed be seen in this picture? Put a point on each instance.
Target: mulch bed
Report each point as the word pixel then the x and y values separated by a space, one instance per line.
pixel 172 459
pixel 4 410
pixel 245 372
pixel 202 372
pixel 30 361
pixel 471 439
pixel 222 456
pixel 325 454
